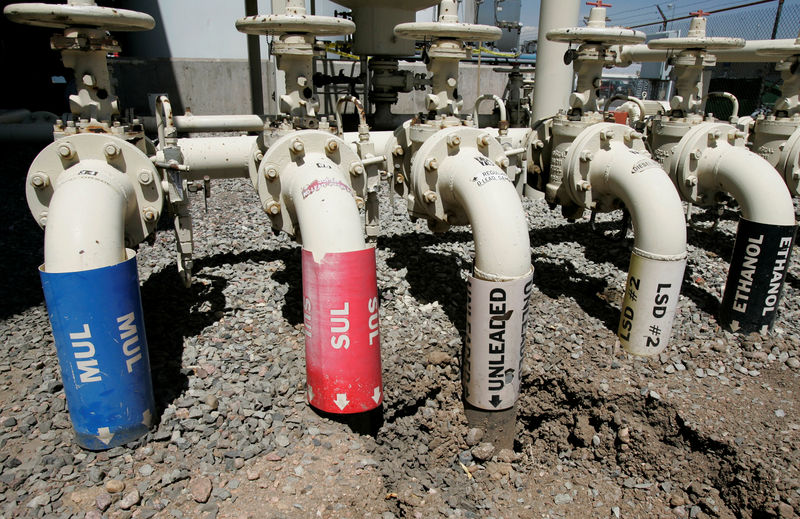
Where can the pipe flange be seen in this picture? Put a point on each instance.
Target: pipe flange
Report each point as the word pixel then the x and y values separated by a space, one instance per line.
pixel 63 16
pixel 301 146
pixel 427 199
pixel 64 153
pixel 455 31
pixel 577 163
pixel 685 160
pixel 279 24
pixel 789 163
pixel 600 35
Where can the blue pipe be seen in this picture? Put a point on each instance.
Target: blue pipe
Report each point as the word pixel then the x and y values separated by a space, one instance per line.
pixel 99 333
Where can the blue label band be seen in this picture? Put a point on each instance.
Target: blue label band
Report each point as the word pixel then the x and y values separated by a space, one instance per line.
pixel 99 333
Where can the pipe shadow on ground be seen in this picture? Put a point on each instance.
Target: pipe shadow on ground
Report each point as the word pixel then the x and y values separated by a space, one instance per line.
pixel 432 276
pixel 618 253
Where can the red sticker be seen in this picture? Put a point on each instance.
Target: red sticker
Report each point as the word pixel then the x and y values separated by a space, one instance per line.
pixel 340 309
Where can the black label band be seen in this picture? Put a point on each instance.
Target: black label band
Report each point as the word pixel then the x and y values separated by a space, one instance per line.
pixel 758 268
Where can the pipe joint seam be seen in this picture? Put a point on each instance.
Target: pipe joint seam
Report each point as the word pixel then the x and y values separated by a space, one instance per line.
pixel 660 257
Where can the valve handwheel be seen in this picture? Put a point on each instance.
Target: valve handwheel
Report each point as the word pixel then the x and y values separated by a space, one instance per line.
pixel 697 38
pixel 79 15
pixel 279 24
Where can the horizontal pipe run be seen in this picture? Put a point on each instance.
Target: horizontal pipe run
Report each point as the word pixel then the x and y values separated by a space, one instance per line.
pixel 217 157
pixel 211 123
pixel 628 54
pixel 26 132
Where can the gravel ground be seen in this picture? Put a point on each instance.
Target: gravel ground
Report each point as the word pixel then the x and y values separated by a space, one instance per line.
pixel 708 429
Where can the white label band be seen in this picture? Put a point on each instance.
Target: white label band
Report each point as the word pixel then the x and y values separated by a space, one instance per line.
pixel 648 309
pixel 497 317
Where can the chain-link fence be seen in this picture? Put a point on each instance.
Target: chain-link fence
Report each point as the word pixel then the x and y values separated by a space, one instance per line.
pixel 756 85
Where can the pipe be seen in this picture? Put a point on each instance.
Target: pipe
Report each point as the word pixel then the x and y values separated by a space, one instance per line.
pixel 764 236
pixel 553 79
pixel 455 182
pixel 217 157
pixel 85 219
pixel 329 223
pixel 499 256
pixel 309 194
pixel 26 132
pixel 190 123
pixel 750 53
pixel 91 289
pixel 616 172
pixel 730 97
pixel 362 117
pixel 497 100
pixel 622 97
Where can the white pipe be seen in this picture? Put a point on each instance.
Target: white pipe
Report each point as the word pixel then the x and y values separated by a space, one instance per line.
pixel 649 195
pixel 499 226
pixel 86 217
pixel 730 97
pixel 217 157
pixel 751 180
pixel 329 223
pixel 497 101
pixel 658 259
pixel 553 79
pixel 750 53
pixel 190 123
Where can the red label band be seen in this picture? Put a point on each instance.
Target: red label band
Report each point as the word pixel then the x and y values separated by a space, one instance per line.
pixel 340 310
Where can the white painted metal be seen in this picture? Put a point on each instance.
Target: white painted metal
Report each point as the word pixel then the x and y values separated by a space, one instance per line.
pixel 217 157
pixel 79 14
pixel 553 78
pixel 73 153
pixel 86 218
pixel 751 180
pixel 753 51
pixel 380 17
pixel 310 183
pixel 498 101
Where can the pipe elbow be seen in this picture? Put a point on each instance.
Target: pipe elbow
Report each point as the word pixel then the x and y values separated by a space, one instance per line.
pixel 86 218
pixel 648 193
pixel 758 188
pixel 495 212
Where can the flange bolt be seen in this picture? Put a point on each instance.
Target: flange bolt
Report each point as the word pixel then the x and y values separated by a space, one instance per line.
pixel 331 146
pixel 40 180
pixel 66 151
pixel 431 163
pixel 150 214
pixel 356 169
pixel 430 197
pixel 111 150
pixel 145 177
